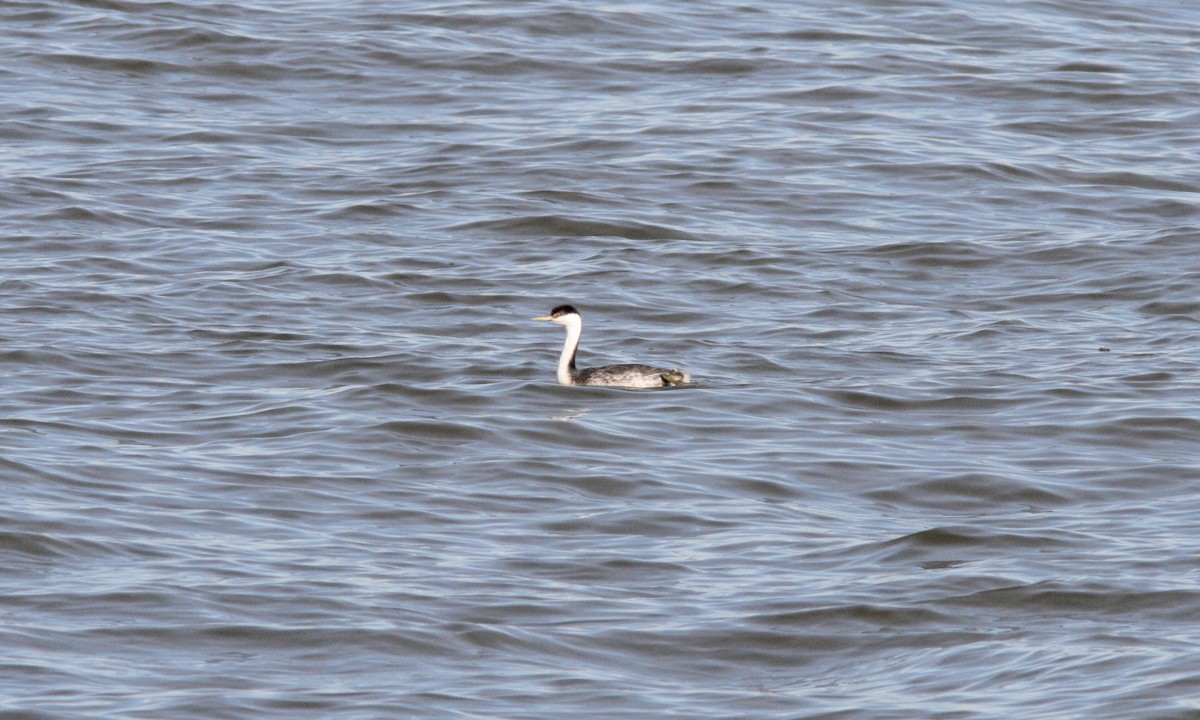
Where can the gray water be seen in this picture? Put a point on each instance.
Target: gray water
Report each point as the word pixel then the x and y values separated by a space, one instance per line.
pixel 278 438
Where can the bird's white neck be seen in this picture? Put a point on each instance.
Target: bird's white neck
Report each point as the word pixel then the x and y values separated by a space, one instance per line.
pixel 566 361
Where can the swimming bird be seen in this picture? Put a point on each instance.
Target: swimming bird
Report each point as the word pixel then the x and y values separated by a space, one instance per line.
pixel 632 375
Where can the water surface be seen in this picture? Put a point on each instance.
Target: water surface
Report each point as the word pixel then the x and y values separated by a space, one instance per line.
pixel 278 438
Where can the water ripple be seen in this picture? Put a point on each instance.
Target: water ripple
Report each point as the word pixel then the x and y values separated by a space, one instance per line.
pixel 275 422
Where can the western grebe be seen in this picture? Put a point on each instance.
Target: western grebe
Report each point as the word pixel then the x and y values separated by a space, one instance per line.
pixel 638 376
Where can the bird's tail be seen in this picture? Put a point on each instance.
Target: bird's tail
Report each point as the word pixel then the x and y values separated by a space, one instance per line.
pixel 672 378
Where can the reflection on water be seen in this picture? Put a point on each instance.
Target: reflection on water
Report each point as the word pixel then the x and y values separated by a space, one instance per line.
pixel 574 414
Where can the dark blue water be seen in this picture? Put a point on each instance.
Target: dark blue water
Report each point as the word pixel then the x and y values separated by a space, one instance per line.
pixel 278 438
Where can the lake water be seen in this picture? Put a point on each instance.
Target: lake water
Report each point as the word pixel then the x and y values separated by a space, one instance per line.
pixel 278 438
